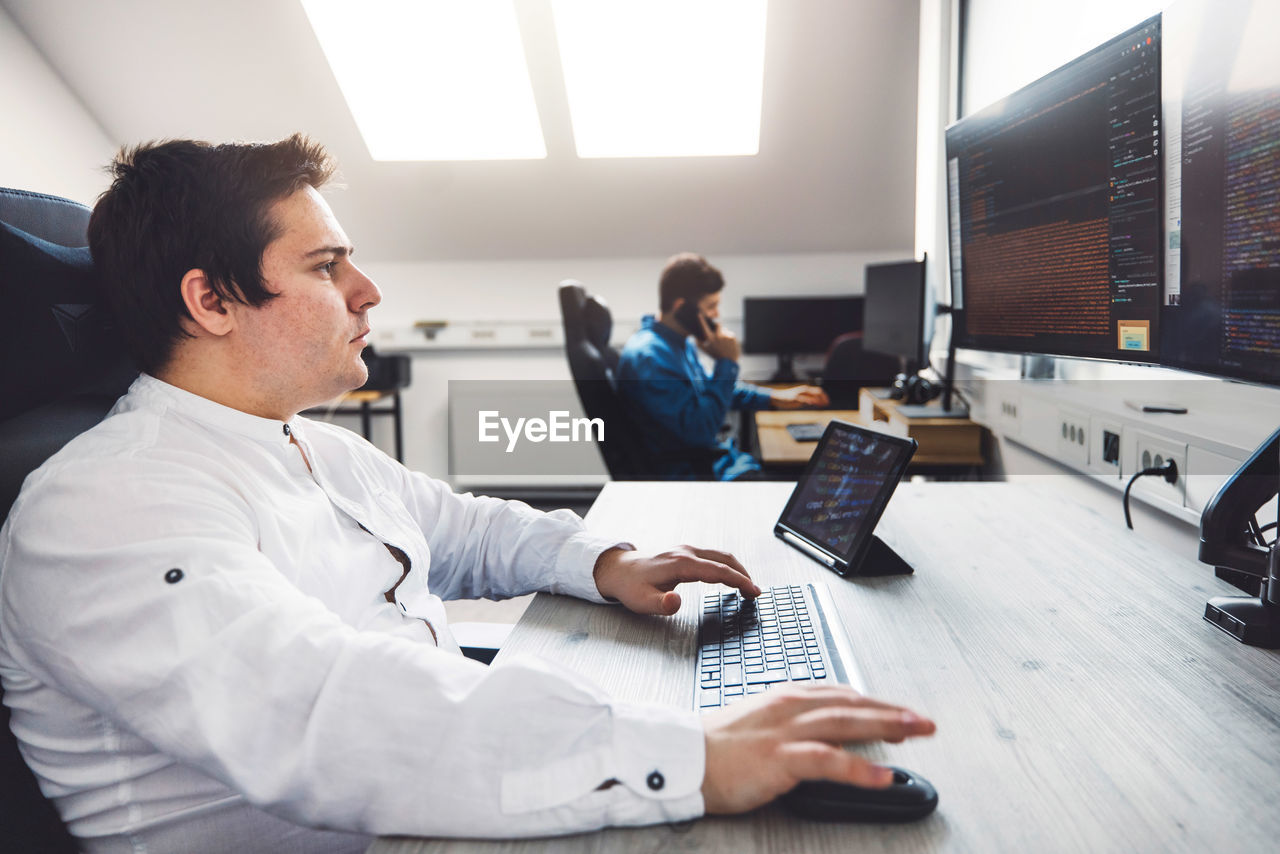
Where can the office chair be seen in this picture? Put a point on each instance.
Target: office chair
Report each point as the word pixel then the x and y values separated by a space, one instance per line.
pixel 61 370
pixel 592 362
pixel 386 372
pixel 849 368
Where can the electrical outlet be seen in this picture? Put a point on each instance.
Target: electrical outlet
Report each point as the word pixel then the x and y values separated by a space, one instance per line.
pixel 1104 446
pixel 1003 410
pixel 1149 451
pixel 1073 437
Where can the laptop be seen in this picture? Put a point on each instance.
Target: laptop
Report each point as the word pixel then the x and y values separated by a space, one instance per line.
pixel 832 513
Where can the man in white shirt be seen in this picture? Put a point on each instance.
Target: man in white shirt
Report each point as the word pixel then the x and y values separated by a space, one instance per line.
pixel 221 625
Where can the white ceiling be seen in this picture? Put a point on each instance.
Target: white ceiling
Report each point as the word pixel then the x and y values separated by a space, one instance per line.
pixel 835 172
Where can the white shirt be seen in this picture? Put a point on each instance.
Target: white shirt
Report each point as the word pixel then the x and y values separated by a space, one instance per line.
pixel 199 656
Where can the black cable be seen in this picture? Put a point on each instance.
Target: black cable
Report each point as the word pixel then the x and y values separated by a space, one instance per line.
pixel 955 389
pixel 1169 471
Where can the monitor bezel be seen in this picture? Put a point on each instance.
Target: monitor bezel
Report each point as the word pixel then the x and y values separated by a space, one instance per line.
pixel 959 329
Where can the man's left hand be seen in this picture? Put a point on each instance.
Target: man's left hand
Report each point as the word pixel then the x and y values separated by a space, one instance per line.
pixel 799 396
pixel 646 583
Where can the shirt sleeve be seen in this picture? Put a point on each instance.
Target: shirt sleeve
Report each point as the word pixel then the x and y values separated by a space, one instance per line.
pixel 750 397
pixel 691 411
pixel 161 614
pixel 490 548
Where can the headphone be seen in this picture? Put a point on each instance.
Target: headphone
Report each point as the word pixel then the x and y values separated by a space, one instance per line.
pixel 914 388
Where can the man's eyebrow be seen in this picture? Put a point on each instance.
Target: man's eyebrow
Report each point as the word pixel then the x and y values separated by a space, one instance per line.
pixel 340 251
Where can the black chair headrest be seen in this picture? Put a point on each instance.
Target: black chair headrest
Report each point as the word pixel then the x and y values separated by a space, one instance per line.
pixel 56 220
pixel 56 337
pixel 597 320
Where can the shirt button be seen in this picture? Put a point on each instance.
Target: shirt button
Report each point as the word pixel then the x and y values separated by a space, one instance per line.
pixel 656 781
pixel 173 576
pixel 287 431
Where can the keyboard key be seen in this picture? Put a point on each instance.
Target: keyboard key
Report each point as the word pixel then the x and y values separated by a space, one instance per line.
pixel 799 672
pixel 766 677
pixel 708 698
pixel 732 675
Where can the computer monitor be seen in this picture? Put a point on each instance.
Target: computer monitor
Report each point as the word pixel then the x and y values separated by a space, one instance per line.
pixel 1054 206
pixel 894 312
pixel 789 326
pixel 1222 248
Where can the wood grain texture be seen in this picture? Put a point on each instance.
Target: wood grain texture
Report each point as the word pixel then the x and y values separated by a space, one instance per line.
pixel 943 441
pixel 1082 702
pixel 776 445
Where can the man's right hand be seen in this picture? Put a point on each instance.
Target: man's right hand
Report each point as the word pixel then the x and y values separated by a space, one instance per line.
pixel 719 343
pixel 761 748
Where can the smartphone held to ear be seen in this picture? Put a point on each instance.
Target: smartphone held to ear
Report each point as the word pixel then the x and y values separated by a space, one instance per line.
pixel 687 315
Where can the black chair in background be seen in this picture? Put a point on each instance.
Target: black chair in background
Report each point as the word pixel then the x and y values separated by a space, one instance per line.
pixel 593 362
pixel 61 370
pixel 849 369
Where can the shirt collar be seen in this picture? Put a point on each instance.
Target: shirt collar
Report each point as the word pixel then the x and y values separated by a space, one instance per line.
pixel 666 333
pixel 266 430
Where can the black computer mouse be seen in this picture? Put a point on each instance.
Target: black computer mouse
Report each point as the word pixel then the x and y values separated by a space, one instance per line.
pixel 908 798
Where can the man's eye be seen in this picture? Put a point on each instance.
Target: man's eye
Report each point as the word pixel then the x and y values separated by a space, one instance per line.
pixel 327 267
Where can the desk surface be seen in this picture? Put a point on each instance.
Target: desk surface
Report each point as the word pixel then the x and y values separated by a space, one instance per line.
pixel 943 441
pixel 1082 703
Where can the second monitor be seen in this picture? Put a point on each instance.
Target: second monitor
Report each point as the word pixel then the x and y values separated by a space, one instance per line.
pixel 789 326
pixel 894 315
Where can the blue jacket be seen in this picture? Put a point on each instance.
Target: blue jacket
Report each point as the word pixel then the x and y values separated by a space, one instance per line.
pixel 677 407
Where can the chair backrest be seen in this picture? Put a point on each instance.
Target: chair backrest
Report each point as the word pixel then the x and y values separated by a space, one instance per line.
pixel 386 372
pixel 592 360
pixel 61 369
pixel 849 368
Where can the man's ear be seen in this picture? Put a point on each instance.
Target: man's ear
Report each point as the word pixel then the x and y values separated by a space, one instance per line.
pixel 207 309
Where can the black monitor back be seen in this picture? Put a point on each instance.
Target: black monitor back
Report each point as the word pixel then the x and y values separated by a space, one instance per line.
pixel 798 324
pixel 893 321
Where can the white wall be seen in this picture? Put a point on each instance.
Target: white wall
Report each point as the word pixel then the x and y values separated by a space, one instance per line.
pixel 1010 43
pixel 48 141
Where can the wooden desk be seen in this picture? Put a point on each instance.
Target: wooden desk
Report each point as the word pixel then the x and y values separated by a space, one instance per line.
pixel 944 442
pixel 777 448
pixel 1082 703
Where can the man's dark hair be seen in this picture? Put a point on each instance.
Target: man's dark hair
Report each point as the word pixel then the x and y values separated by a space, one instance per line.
pixel 180 205
pixel 687 275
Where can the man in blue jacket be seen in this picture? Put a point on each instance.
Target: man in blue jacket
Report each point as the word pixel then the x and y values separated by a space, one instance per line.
pixel 677 406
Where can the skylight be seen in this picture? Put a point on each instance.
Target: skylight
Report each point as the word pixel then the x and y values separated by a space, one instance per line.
pixel 663 78
pixel 432 79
